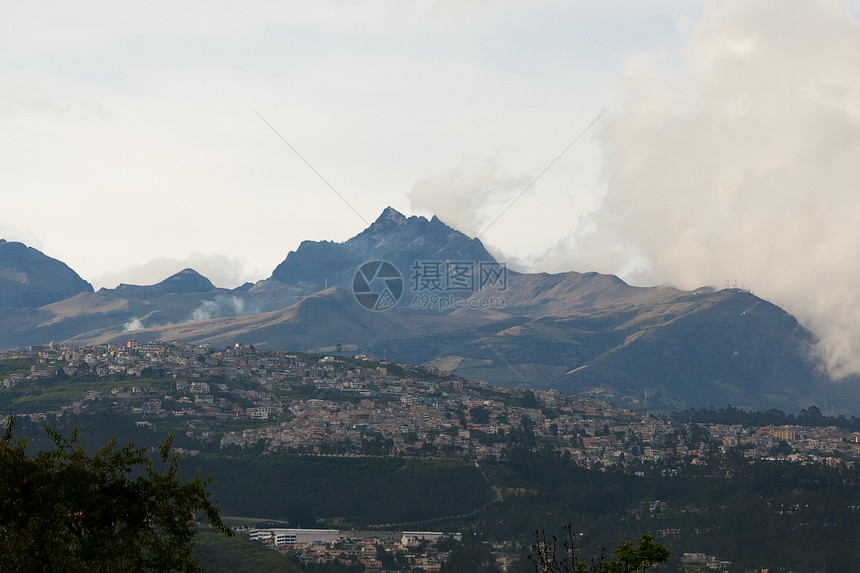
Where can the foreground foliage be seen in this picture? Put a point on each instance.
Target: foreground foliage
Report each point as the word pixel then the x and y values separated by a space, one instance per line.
pixel 754 513
pixel 66 510
pixel 550 557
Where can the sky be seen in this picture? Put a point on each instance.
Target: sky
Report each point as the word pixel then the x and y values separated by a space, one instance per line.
pixel 667 141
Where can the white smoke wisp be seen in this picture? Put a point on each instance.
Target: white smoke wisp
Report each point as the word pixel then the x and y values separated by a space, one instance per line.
pixel 134 324
pixel 745 167
pixel 223 306
pixel 466 197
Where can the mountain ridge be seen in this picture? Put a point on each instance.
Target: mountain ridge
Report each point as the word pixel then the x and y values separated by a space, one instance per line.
pixel 655 348
pixel 185 281
pixel 30 279
pixel 391 237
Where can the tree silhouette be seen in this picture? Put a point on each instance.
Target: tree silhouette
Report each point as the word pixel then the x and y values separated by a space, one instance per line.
pixel 117 509
pixel 550 557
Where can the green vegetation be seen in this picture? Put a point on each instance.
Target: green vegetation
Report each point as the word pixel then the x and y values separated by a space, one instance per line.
pixel 366 491
pixel 487 439
pixel 244 424
pixel 239 555
pixel 471 554
pixel 61 390
pixel 753 514
pixel 550 557
pixel 66 510
pixel 811 416
pixel 11 366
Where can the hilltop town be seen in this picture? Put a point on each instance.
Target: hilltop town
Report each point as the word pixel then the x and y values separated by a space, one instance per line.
pixel 241 397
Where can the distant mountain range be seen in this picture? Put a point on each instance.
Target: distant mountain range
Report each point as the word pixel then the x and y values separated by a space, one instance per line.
pixel 457 309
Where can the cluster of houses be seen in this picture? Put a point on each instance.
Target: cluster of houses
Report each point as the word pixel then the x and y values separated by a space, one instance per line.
pixel 240 397
pixel 377 551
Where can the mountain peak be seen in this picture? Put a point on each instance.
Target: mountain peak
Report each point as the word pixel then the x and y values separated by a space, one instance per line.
pixel 187 272
pixel 186 281
pixel 390 215
pixel 437 222
pixel 30 278
pixel 392 237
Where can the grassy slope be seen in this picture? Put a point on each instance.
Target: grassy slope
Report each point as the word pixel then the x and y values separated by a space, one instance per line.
pixel 239 555
pixel 51 394
pixel 15 366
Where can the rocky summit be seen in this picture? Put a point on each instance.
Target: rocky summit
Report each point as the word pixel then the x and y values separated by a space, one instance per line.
pixel 392 237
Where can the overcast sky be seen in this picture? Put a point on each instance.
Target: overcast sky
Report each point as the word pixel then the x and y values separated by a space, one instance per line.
pixel 135 139
pixel 129 131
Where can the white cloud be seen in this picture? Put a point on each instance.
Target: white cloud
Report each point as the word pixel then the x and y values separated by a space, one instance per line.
pixel 128 132
pixel 745 166
pixel 11 232
pixel 220 270
pixel 467 198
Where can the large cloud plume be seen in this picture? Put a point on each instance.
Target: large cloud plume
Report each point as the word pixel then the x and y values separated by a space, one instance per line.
pixel 745 166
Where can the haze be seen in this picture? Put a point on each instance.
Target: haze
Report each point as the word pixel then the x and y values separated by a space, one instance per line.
pixel 131 146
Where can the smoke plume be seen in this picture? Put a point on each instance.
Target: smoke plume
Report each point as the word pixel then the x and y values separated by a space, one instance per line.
pixel 221 306
pixel 466 197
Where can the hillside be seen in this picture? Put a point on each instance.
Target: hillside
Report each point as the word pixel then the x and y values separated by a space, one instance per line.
pixel 655 348
pixel 30 279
